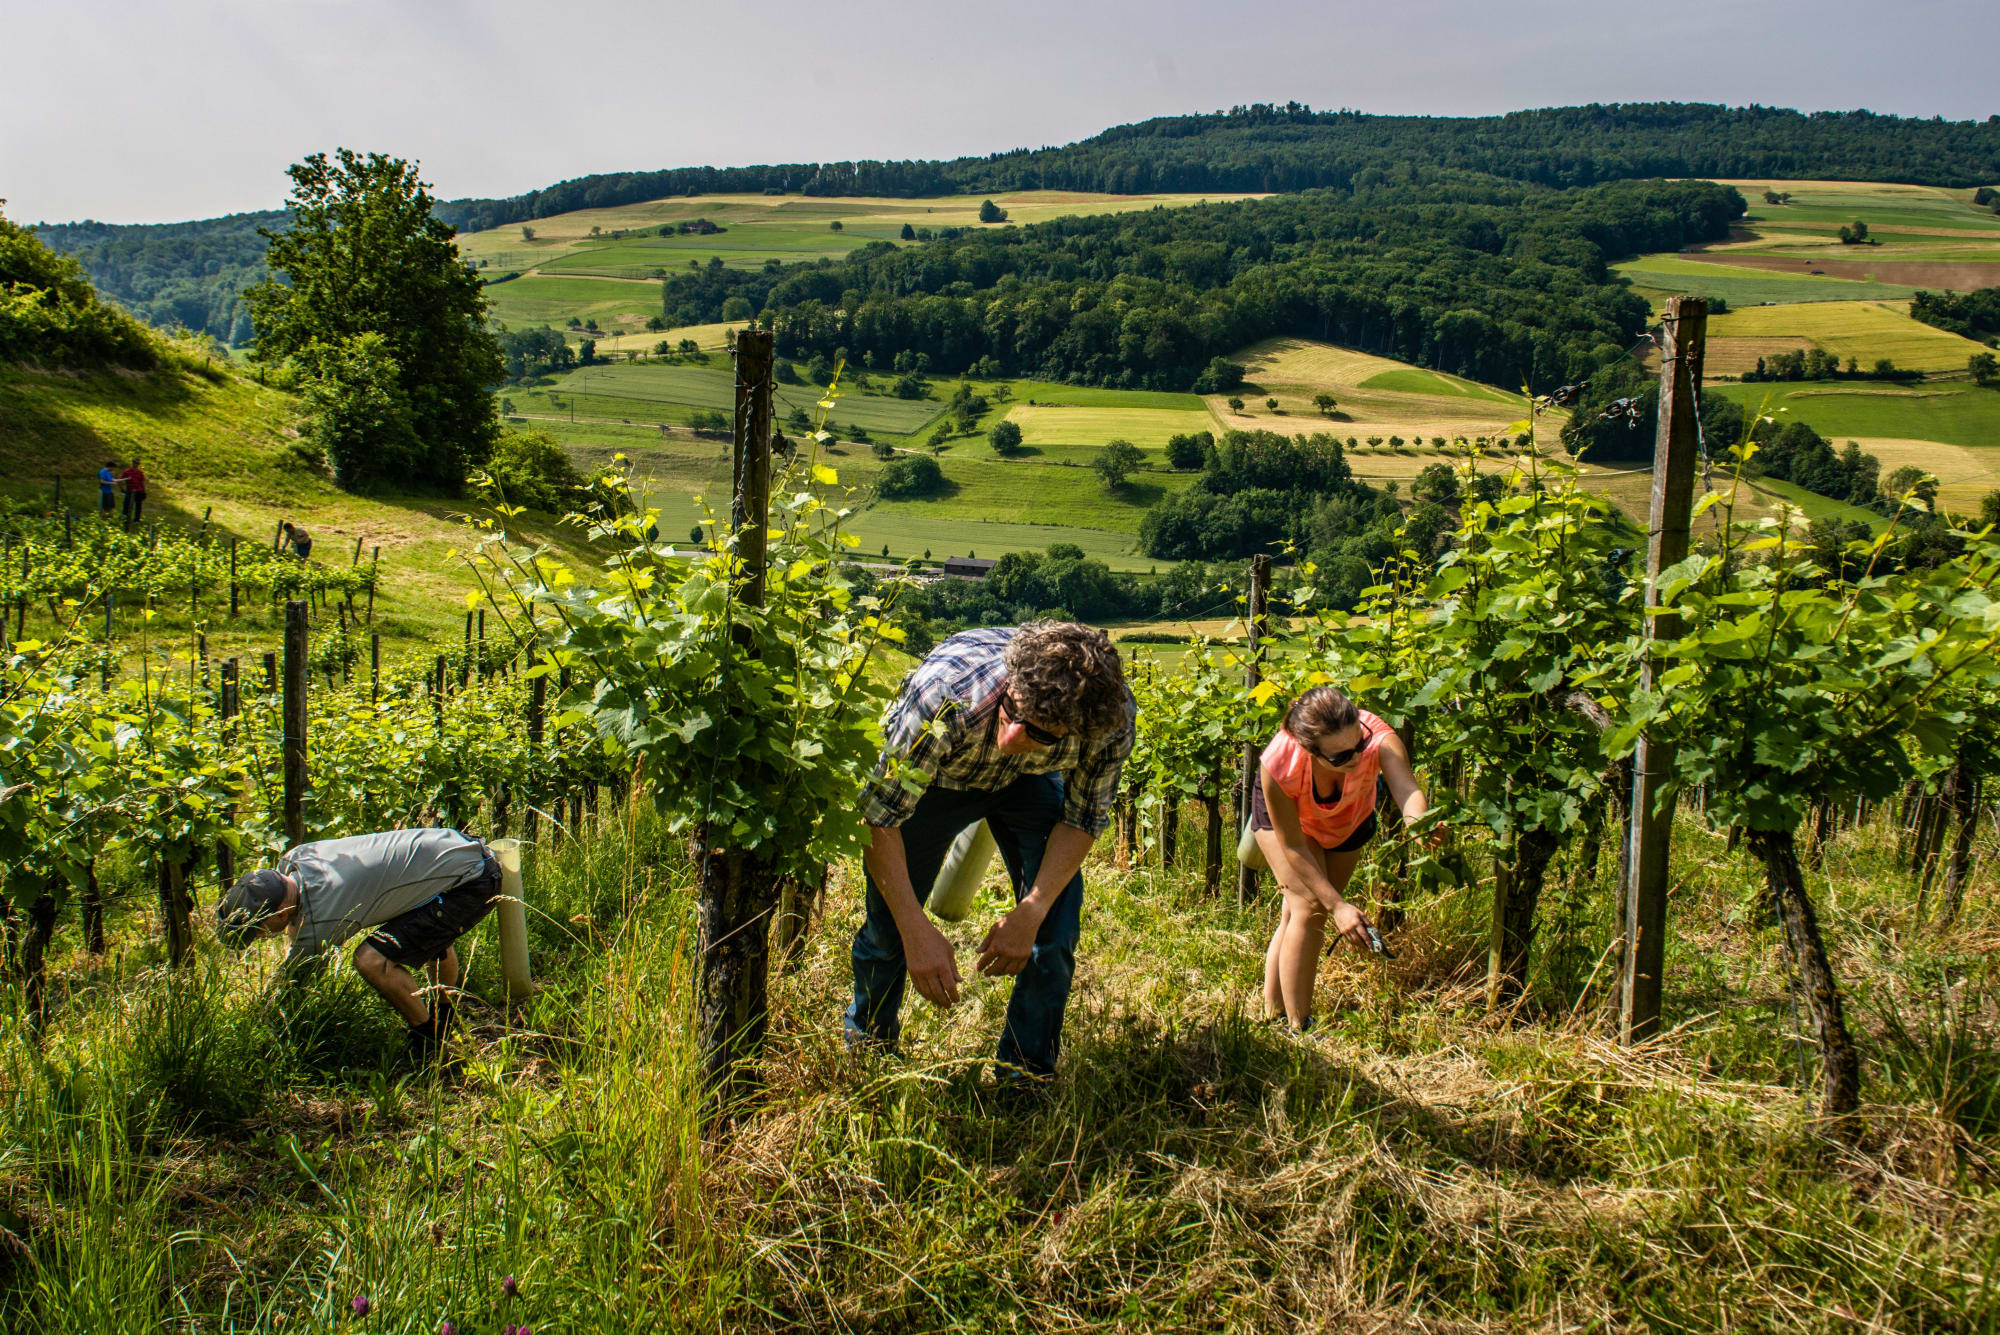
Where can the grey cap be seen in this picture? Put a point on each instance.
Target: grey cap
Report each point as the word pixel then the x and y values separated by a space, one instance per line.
pixel 246 904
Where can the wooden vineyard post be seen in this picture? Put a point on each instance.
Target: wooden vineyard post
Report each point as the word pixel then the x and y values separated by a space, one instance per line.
pixel 374 574
pixel 225 856
pixel 270 672
pixel 346 658
pixel 1256 628
pixel 738 888
pixel 295 722
pixel 437 697
pixel 233 587
pixel 176 913
pixel 375 667
pixel 1651 829
pixel 465 663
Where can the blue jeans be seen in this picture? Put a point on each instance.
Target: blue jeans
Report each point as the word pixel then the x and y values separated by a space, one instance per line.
pixel 1021 815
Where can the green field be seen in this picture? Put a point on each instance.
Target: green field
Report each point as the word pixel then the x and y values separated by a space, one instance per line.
pixel 1862 330
pixel 1953 414
pixel 1418 381
pixel 534 299
pixel 652 391
pixel 1654 275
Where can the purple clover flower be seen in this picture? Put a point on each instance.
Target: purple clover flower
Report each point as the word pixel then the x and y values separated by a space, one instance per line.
pixel 509 1287
pixel 360 1304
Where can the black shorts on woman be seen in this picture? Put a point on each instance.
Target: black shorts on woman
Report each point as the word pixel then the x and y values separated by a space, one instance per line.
pixel 1260 819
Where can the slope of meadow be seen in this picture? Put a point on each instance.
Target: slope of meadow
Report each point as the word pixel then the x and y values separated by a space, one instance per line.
pixel 223 447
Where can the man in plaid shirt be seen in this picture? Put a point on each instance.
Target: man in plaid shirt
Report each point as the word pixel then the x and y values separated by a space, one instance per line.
pixel 1025 728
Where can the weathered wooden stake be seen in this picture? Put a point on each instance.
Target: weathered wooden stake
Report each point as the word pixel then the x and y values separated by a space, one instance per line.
pixel 375 667
pixel 225 856
pixel 295 722
pixel 1675 452
pixel 738 889
pixel 1253 672
pixel 538 702
pixel 233 587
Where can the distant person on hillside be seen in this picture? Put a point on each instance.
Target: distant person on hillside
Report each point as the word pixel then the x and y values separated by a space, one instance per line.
pixel 1025 728
pixel 107 488
pixel 419 889
pixel 134 479
pixel 1313 812
pixel 298 540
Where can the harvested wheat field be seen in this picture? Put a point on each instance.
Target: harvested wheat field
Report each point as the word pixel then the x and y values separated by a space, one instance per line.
pixel 1375 396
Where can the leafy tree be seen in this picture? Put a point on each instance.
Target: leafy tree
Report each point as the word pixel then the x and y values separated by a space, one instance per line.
pixel 527 234
pixel 798 419
pixel 1235 404
pixel 50 313
pixel 1436 483
pixel 909 387
pixel 1187 451
pixel 1324 402
pixel 909 232
pixel 1117 460
pixel 365 255
pixel 1984 368
pixel 990 213
pixel 882 449
pixel 357 412
pixel 533 469
pixel 1909 480
pixel 1854 234
pixel 1005 438
pixel 586 352
pixel 834 226
pixel 737 308
pixel 1220 376
pixel 910 477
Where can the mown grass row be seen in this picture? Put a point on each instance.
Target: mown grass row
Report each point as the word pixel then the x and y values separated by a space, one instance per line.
pixel 176 1155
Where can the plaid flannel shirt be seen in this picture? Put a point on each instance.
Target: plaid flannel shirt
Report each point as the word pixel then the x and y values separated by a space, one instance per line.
pixel 941 730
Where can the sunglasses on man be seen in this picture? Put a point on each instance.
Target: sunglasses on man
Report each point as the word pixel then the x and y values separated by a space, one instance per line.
pixel 1040 735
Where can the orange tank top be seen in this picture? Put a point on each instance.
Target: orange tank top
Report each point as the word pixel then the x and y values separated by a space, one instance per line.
pixel 1328 824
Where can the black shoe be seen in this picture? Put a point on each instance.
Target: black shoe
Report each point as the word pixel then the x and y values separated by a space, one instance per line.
pixel 425 1043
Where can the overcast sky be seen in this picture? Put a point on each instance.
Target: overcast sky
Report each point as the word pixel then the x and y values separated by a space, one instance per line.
pixel 149 112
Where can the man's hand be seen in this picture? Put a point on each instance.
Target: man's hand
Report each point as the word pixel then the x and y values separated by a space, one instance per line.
pixel 1010 942
pixel 933 964
pixel 1348 922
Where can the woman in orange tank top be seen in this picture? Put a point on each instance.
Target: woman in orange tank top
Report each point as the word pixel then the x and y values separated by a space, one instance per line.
pixel 1314 812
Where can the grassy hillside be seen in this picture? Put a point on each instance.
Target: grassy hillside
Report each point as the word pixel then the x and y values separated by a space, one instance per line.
pixel 1409 1165
pixel 223 445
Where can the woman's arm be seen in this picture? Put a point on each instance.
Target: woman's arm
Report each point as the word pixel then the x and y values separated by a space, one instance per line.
pixel 1402 779
pixel 1302 869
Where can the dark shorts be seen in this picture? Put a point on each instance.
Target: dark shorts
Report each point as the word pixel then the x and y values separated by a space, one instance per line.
pixel 1260 819
pixel 107 501
pixel 422 935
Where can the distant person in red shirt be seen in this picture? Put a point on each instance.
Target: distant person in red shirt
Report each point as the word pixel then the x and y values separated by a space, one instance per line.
pixel 134 479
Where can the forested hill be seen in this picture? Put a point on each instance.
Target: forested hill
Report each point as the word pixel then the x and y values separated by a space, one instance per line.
pixel 191 272
pixel 187 273
pixel 1498 280
pixel 1292 147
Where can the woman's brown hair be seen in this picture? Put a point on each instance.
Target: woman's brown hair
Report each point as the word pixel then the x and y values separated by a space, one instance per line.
pixel 1319 712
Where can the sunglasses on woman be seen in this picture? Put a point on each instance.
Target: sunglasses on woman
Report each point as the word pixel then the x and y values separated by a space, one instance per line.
pixel 1040 735
pixel 1339 758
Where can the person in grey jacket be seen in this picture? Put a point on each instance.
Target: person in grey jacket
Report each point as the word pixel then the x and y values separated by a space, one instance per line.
pixel 420 890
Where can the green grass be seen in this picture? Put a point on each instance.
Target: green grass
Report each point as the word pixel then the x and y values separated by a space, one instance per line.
pixel 535 300
pixel 1959 414
pixel 1419 381
pixel 174 1159
pixel 640 390
pixel 220 446
pixel 1748 287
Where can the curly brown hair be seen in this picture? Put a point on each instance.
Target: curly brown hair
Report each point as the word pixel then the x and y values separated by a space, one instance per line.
pixel 1318 713
pixel 1067 675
